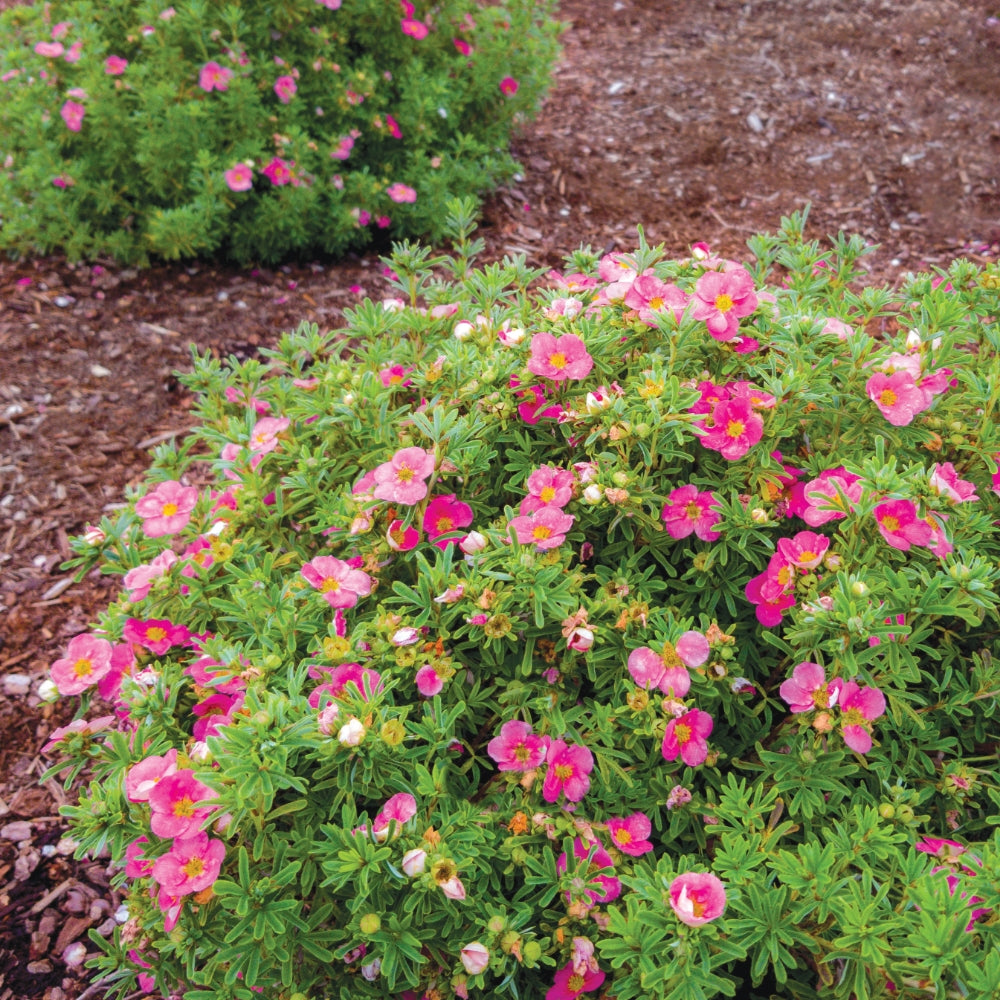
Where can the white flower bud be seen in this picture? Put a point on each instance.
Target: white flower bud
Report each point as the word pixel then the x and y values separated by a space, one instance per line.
pixel 351 733
pixel 463 330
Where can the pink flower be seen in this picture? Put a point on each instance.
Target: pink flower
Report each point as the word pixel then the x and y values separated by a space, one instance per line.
pixel 166 509
pixel 900 525
pixel 687 510
pixel 137 865
pixel 697 898
pixel 569 984
pixel 83 728
pixel 143 776
pixel 285 87
pixel 330 4
pixel 830 496
pixel 475 958
pixel 546 528
pixel 463 46
pixel 508 85
pixel 174 802
pixel 646 667
pixel 444 515
pixel 807 689
pixel 192 864
pixel 73 52
pixel 429 682
pixel 87 660
pixel 805 550
pixel 631 834
pixel 340 584
pixel 139 580
pixel 548 486
pixel 516 748
pixel 693 649
pixel 568 773
pixel 453 888
pixel 650 295
pixel 399 809
pixel 721 299
pixel 401 479
pixel 559 358
pixel 898 397
pixel 401 193
pixel 945 482
pixel 402 537
pixel 610 887
pixel 239 178
pixel 535 406
pixel 395 375
pixel 415 29
pixel 394 130
pixel 72 114
pixel 735 427
pixel 770 601
pixel 214 77
pixel 858 707
pixel 687 736
pixel 155 634
pixel 279 171
pixel 50 50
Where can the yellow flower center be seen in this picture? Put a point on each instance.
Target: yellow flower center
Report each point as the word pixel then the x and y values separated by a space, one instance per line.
pixel 540 532
pixel 443 524
pixel 83 668
pixel 623 836
pixel 656 302
pixel 521 753
pixel 693 511
pixel 734 428
pixel 723 303
pixel 807 555
pixel 887 397
pixel 557 360
pixel 890 523
pixel 183 807
pixel 682 733
pixel 854 717
pixel 156 634
pixel 547 495
pixel 404 474
pixel 564 772
pixel 575 983
pixel 169 509
pixel 193 868
pixel 329 585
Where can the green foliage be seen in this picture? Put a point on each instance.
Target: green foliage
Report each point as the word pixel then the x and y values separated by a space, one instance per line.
pixel 375 111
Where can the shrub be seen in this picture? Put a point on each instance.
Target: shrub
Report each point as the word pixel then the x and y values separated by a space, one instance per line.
pixel 631 629
pixel 256 130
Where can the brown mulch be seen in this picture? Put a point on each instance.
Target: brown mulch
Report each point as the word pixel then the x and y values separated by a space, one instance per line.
pixel 701 119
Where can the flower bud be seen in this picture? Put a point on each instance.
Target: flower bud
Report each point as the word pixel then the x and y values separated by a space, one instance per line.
pixel 93 535
pixel 473 542
pixel 859 588
pixel 47 691
pixel 392 732
pixel 475 958
pixel 463 330
pixel 414 862
pixel 327 718
pixel 596 402
pixel 453 888
pixel 823 723
pixel 511 338
pixel 370 923
pixel 592 494
pixel 532 952
pixel 496 925
pixel 372 969
pixel 759 516
pixel 351 733
pixel 580 639
pixel 361 524
pixel 405 637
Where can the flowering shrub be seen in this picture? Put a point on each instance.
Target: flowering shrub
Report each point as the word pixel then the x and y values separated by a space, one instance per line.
pixel 565 634
pixel 140 130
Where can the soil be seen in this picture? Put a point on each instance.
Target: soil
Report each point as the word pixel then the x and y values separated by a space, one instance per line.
pixel 702 120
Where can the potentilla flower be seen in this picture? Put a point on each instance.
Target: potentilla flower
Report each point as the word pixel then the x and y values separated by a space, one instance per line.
pixel 548 486
pixel 402 537
pixel 693 649
pixel 446 514
pixel 239 178
pixel 568 773
pixel 721 299
pixel 401 193
pixel 517 748
pixel 285 87
pixel 414 862
pixel 901 526
pixel 508 85
pixel 735 427
pixel 139 580
pixel 83 729
pixel 166 509
pixel 214 77
pixel 339 583
pixel 137 865
pixel 399 809
pixel 769 602
pixel 87 660
pixel 536 405
pixel 155 634
pixel 559 358
pixel 569 984
pixel 678 796
pixel 805 550
pixel 687 736
pixel 610 886
pixel 546 528
pixel 711 394
pixel 646 667
pixel 72 114
pixel 192 864
pixel 697 898
pixel 689 511
pixel 401 479
pixel 395 376
pixel 143 776
pixel 351 733
pixel 279 171
pixel 859 706
pixel 945 482
pixel 115 65
pixel 830 496
pixel 807 688
pixel 650 296
pixel 630 834
pixel 580 639
pixel 429 682
pixel 898 397
pixel 177 806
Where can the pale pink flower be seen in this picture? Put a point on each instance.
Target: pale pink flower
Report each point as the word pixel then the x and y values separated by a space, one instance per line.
pixel 580 639
pixel 398 809
pixel 285 87
pixel 805 550
pixel 72 114
pixel 340 584
pixel 413 28
pixel 568 772
pixel 559 358
pixel 807 688
pixel 401 193
pixel 546 528
pixel 87 660
pixel 192 864
pixel 945 482
pixel 646 667
pixel 693 649
pixel 83 728
pixel 900 525
pixel 51 50
pixel 401 479
pixel 475 958
pixel 630 834
pixel 143 776
pixel 445 515
pixel 858 707
pixel 139 580
pixel 687 736
pixel 214 77
pixel 239 178
pixel 697 898
pixel 516 748
pixel 650 295
pixel 429 682
pixel 548 486
pixel 831 496
pixel 167 508
pixel 721 299
pixel 687 510
pixel 508 85
pixel 330 4
pixel 74 52
pixel 898 397
pixel 569 984
pixel 735 427
pixel 177 806
pixel 678 796
pixel 115 65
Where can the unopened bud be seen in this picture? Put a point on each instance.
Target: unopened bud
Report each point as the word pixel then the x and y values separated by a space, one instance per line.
pixel 370 923
pixel 351 733
pixel 463 330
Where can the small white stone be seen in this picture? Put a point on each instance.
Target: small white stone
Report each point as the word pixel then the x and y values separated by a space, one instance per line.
pixel 16 684
pixel 99 371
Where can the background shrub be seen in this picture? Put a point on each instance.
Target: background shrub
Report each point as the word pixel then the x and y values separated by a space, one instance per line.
pixel 256 130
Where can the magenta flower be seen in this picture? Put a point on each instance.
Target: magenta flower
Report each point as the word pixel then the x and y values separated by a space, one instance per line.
pixel 394 130
pixel 610 887
pixel 568 773
pixel 631 834
pixel 239 178
pixel 770 602
pixel 688 511
pixel 139 580
pixel 735 427
pixel 285 87
pixel 429 682
pixel 446 514
pixel 402 537
pixel 155 634
pixel 115 65
pixel 166 509
pixel 536 405
pixel 516 748
pixel 898 397
pixel 340 584
pixel 395 375
pixel 137 865
pixel 805 550
pixel 72 114
pixel 559 358
pixel 508 85
pixel 569 984
pixel 87 660
pixel 401 479
pixel 548 486
pixel 721 299
pixel 192 864
pixel 858 707
pixel 175 804
pixel 214 77
pixel 398 809
pixel 330 4
pixel 279 171
pixel 900 525
pixel 401 193
pixel 697 898
pixel 546 528
pixel 687 736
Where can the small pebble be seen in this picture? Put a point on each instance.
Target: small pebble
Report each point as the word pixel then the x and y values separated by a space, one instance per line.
pixel 99 371
pixel 62 301
pixel 74 954
pixel 16 684
pixel 16 832
pixel 39 968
